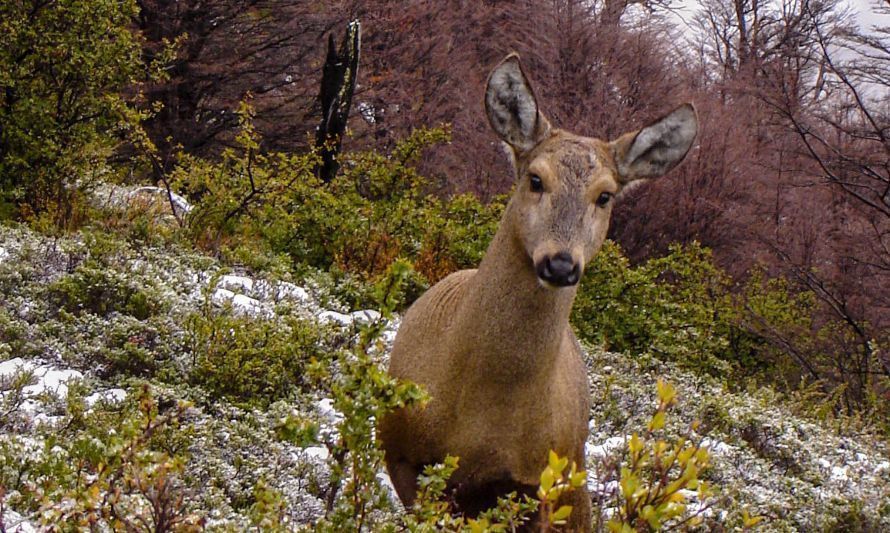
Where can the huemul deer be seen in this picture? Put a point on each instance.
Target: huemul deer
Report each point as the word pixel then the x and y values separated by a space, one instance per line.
pixel 493 346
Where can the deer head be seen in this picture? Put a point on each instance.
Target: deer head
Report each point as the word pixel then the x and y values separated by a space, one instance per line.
pixel 566 184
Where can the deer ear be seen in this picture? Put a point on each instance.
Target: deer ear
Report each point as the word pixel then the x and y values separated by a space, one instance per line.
pixel 511 106
pixel 658 147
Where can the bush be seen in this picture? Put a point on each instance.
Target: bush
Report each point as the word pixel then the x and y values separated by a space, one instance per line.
pixel 659 486
pixel 251 204
pixel 92 288
pixel 250 360
pixel 63 68
pixel 109 467
pixel 678 307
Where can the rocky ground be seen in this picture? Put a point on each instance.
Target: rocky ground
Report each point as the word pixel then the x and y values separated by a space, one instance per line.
pixel 798 474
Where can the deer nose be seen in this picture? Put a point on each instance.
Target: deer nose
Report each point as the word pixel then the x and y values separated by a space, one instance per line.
pixel 560 270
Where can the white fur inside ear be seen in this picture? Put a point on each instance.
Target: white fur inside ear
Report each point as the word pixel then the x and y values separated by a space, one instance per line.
pixel 660 146
pixel 511 106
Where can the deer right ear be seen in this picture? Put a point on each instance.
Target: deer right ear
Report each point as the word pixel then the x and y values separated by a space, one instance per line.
pixel 511 106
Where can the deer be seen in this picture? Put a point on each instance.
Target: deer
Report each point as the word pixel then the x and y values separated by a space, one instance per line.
pixel 493 346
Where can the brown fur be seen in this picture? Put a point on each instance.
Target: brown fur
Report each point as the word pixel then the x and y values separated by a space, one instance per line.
pixel 493 346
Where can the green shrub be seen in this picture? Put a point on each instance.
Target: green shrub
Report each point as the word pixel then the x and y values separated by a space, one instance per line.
pixel 93 288
pixel 63 68
pixel 362 392
pixel 678 307
pixel 258 207
pixel 250 359
pixel 850 517
pixel 659 478
pixel 109 467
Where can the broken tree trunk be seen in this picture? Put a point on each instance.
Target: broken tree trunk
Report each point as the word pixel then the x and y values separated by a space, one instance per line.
pixel 337 86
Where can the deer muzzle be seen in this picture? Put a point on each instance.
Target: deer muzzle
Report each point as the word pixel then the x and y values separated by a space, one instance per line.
pixel 560 270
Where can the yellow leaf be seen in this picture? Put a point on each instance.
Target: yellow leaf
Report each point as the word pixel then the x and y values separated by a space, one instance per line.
pixel 657 421
pixel 553 461
pixel 666 392
pixel 702 455
pixel 555 493
pixel 561 514
pixel 750 521
pixel 685 454
pixel 478 526
pixel 578 478
pixel 648 513
pixel 677 497
pixel 547 479
pixel 635 445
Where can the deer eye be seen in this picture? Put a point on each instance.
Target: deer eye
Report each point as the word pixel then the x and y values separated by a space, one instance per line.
pixel 604 199
pixel 536 184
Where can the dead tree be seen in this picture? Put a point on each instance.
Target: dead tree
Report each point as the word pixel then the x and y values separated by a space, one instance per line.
pixel 337 86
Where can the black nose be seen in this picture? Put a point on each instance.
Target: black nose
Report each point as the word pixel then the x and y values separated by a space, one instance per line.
pixel 560 270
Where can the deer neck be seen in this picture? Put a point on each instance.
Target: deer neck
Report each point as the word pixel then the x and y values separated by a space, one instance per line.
pixel 515 325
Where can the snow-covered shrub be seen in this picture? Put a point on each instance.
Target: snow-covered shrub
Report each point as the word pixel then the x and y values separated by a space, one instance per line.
pixel 112 465
pixel 250 359
pixel 92 288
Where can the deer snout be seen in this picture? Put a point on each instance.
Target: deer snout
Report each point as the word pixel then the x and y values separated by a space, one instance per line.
pixel 559 270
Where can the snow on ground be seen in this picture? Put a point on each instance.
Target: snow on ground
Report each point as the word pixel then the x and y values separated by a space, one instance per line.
pixel 16 523
pixel 123 197
pixel 44 380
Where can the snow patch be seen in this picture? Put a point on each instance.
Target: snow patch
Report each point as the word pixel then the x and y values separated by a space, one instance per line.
pixel 716 446
pixel 16 523
pixel 326 410
pixel 180 204
pixel 328 317
pixel 107 396
pixel 240 303
pixel 292 292
pixel 236 283
pixel 839 473
pixel 316 452
pixel 386 482
pixel 365 317
pixel 609 446
pixel 48 379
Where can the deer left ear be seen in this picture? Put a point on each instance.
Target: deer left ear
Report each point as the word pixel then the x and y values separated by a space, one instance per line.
pixel 657 148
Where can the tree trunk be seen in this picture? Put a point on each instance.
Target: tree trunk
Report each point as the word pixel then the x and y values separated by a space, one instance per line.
pixel 337 86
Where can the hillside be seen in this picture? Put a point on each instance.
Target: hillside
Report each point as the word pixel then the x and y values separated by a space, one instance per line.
pixel 152 378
